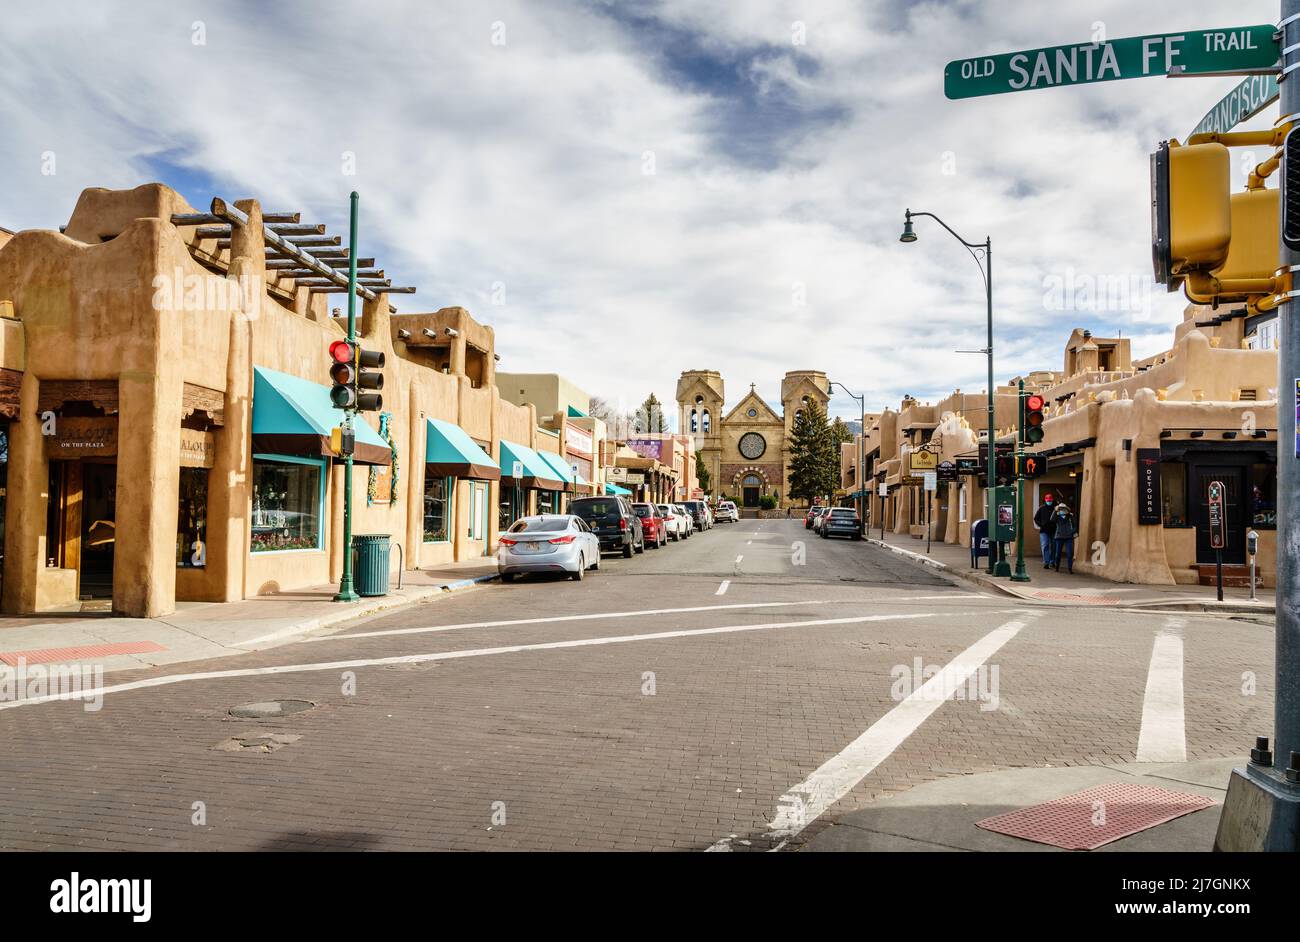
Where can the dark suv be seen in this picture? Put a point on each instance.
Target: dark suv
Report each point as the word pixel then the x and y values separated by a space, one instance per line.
pixel 699 513
pixel 612 520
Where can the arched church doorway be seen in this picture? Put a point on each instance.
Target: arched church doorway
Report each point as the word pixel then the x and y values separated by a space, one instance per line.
pixel 750 489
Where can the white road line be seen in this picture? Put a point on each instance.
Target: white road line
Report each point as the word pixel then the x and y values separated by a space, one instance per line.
pixel 94 692
pixel 747 543
pixel 1163 736
pixel 722 589
pixel 550 619
pixel 808 800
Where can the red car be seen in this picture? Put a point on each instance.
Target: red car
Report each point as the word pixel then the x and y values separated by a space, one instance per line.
pixel 653 523
pixel 810 518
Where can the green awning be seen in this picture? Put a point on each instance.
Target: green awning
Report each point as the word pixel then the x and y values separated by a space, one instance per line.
pixel 294 416
pixel 576 413
pixel 535 472
pixel 614 489
pixel 450 452
pixel 563 469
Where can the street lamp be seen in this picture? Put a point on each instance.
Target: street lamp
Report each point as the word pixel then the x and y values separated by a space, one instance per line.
pixel 986 271
pixel 862 440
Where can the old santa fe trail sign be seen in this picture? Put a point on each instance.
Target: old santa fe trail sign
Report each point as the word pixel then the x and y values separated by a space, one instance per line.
pixel 1194 52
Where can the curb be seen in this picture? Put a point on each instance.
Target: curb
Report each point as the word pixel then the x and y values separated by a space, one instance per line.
pixel 1158 605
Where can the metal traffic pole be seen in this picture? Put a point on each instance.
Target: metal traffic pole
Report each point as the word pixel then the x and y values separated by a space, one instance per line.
pixel 346 593
pixel 1261 810
pixel 1020 575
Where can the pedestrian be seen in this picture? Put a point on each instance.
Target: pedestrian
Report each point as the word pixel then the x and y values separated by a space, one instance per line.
pixel 1044 524
pixel 1064 530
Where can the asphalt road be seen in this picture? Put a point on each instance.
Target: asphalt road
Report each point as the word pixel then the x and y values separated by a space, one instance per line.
pixel 734 691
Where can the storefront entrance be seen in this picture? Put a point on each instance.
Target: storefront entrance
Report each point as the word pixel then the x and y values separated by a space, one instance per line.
pixel 81 523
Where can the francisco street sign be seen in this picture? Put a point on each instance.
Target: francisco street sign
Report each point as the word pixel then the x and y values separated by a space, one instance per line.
pixel 1194 52
pixel 1253 95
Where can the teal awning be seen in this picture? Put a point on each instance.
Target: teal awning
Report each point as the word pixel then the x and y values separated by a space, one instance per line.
pixel 535 471
pixel 563 469
pixel 618 491
pixel 294 416
pixel 576 413
pixel 450 452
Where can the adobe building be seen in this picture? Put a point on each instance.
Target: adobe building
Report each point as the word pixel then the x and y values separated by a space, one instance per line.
pixel 164 389
pixel 747 450
pixel 1131 447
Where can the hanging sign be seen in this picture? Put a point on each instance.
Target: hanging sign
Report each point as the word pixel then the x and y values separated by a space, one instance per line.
pixel 1148 484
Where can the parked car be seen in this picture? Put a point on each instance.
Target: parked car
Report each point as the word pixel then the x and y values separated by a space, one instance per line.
pixel 551 543
pixel 686 516
pixel 841 521
pixel 810 519
pixel 613 522
pixel 727 512
pixel 652 523
pixel 700 513
pixel 675 524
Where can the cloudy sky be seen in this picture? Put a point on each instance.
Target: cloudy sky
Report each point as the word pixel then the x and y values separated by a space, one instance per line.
pixel 625 190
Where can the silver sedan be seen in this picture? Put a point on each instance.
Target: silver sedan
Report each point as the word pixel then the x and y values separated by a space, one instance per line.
pixel 549 543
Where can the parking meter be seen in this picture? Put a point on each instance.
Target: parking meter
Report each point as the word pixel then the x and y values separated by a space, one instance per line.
pixel 1252 542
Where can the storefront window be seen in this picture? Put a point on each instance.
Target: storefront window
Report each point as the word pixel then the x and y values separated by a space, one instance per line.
pixel 437 506
pixel 286 505
pixel 547 502
pixel 1173 493
pixel 192 520
pixel 506 506
pixel 1263 480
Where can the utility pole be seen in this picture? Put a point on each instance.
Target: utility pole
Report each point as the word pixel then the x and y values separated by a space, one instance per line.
pixel 346 592
pixel 1261 810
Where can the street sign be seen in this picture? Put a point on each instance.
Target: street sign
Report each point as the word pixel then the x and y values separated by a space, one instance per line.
pixel 931 479
pixel 1194 52
pixel 1217 514
pixel 1253 95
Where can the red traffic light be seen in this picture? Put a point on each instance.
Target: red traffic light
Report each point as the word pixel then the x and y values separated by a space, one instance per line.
pixel 342 352
pixel 1034 403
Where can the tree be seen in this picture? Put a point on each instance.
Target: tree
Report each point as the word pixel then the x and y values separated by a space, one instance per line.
pixel 810 446
pixel 702 473
pixel 650 417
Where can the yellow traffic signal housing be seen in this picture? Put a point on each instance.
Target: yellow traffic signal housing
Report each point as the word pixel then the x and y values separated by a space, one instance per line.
pixel 1253 255
pixel 1191 213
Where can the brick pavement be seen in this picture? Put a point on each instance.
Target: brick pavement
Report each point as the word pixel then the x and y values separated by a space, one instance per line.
pixel 568 742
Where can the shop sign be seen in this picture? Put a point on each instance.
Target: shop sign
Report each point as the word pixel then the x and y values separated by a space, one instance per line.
pixel 947 471
pixel 198 449
pixel 1148 478
pixel 924 461
pixel 82 437
pixel 615 474
pixel 1218 514
pixel 578 441
pixel 635 477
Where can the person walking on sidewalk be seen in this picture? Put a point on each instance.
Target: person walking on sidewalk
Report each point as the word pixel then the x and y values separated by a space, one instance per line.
pixel 1064 530
pixel 1043 523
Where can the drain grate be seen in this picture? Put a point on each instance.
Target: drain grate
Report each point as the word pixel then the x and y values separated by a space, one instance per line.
pixel 269 709
pixel 1095 816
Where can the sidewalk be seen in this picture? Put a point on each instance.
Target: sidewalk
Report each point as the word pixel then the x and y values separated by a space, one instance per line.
pixel 198 630
pixel 941 815
pixel 1050 586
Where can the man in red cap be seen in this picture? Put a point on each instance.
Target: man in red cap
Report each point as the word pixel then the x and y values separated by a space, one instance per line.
pixel 1046 527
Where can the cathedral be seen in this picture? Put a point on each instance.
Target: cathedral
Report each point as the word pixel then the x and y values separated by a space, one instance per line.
pixel 746 451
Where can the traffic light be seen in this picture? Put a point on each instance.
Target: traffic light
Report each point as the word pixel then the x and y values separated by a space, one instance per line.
pixel 1006 466
pixel 369 362
pixel 354 370
pixel 1031 427
pixel 1291 190
pixel 1253 254
pixel 1191 210
pixel 343 371
pixel 1032 466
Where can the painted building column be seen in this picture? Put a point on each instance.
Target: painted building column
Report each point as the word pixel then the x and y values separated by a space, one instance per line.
pixel 26 549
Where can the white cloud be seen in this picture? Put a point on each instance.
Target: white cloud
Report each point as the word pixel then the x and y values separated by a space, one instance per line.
pixel 776 166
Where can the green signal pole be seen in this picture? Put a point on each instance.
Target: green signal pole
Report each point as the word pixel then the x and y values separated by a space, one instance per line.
pixel 1020 575
pixel 346 593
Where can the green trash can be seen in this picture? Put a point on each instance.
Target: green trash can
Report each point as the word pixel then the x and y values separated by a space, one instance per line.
pixel 370 563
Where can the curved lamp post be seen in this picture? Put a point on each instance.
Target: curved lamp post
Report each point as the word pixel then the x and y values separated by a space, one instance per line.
pixel 986 271
pixel 862 439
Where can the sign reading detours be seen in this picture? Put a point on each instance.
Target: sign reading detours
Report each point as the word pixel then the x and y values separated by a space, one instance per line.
pixel 1148 486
